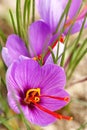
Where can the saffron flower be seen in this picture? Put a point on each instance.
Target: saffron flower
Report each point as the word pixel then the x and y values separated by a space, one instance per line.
pixel 39 39
pixel 38 90
pixel 51 11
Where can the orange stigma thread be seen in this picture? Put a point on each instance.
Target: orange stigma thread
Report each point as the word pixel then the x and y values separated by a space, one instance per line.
pixel 32 94
pixel 61 39
pixel 56 115
pixel 68 23
pixel 66 99
pixel 80 16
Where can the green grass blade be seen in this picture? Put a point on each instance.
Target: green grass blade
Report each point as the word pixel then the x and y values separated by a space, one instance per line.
pixel 19 17
pixel 80 33
pixel 76 63
pixel 28 13
pixel 5 123
pixel 25 13
pixel 13 21
pixel 33 10
pixel 67 37
pixel 77 53
pixel 53 56
pixel 63 14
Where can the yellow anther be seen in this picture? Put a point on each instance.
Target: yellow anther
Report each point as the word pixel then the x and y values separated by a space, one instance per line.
pixel 32 94
pixel 34 58
pixel 37 99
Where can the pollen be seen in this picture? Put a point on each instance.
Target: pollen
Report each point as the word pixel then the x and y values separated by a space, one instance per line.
pixel 32 94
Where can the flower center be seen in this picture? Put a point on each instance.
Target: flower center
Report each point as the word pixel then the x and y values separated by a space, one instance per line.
pixel 38 58
pixel 32 95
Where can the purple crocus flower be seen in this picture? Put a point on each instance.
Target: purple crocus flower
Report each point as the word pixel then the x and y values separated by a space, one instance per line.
pixel 40 33
pixel 39 39
pixel 38 90
pixel 51 11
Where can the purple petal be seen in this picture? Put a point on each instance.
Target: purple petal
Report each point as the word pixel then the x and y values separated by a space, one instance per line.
pixel 12 102
pixel 75 6
pixel 50 103
pixel 53 85
pixel 51 11
pixel 39 36
pixel 14 48
pixel 76 27
pixel 23 74
pixel 82 13
pixel 53 78
pixel 38 117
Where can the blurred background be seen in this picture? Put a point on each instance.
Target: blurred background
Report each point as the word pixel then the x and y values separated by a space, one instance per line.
pixel 78 92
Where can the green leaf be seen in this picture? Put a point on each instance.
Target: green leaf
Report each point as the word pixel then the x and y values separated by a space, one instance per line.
pixel 2 35
pixel 4 103
pixel 13 21
pixel 25 13
pixel 67 37
pixel 76 54
pixel 57 51
pixel 0 47
pixel 5 123
pixel 2 81
pixel 28 14
pixel 33 10
pixel 52 53
pixel 75 63
pixel 63 14
pixel 19 17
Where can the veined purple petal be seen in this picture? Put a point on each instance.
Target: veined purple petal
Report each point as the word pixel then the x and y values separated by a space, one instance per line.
pixel 39 36
pixel 22 74
pixel 50 103
pixel 13 101
pixel 51 11
pixel 38 117
pixel 75 6
pixel 53 78
pixel 25 74
pixel 14 48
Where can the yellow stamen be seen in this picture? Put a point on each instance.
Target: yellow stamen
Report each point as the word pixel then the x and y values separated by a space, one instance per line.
pixel 32 94
pixel 34 58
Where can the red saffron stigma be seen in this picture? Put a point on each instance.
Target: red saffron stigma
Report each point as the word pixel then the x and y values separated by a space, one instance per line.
pixel 66 99
pixel 61 39
pixel 51 47
pixel 54 44
pixel 56 115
